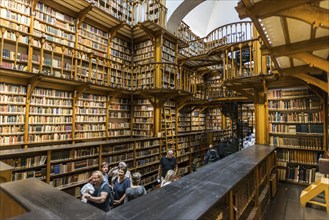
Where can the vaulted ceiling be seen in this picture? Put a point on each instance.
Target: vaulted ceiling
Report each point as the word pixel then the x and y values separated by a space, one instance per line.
pixel 295 34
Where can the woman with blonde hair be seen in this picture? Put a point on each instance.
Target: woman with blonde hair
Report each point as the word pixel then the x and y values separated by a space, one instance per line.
pixel 168 178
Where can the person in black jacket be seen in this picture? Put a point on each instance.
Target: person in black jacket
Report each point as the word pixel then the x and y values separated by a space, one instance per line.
pixel 167 162
pixel 211 155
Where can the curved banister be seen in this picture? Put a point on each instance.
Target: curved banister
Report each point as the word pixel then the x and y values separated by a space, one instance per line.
pixel 227 34
pixel 247 30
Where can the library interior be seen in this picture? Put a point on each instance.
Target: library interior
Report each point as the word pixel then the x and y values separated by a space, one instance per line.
pixel 146 83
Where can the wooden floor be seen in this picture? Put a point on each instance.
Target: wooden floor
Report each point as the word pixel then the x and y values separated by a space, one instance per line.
pixel 286 205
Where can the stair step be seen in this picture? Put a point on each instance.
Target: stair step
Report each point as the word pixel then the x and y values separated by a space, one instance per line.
pixel 317 203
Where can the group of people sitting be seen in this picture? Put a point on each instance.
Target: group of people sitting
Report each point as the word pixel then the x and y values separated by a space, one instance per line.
pixel 109 189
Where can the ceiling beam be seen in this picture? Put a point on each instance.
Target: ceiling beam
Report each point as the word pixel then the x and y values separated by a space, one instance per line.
pixel 300 69
pixel 302 46
pixel 316 16
pixel 313 60
pixel 313 81
pixel 267 8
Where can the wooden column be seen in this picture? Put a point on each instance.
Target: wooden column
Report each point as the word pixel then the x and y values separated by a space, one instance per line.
pixel 157 120
pixel 158 58
pixel 261 119
pixel 223 121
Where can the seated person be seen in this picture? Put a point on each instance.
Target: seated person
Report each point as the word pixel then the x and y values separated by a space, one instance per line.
pixel 135 190
pixel 168 178
pixel 211 155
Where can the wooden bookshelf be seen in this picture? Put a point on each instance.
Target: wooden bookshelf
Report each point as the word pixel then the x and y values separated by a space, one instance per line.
pixel 143 117
pixel 15 22
pixel 121 10
pixel 90 119
pixel 168 124
pixel 12 114
pixel 215 86
pixel 213 119
pixel 198 120
pixel 53 42
pixel 143 73
pixel 296 128
pixel 183 155
pixel 147 157
pixel 195 43
pixel 149 10
pixel 184 120
pixel 119 117
pixel 68 166
pixel 50 115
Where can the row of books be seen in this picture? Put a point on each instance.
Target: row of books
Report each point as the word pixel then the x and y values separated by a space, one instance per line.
pixel 70 180
pixel 297 142
pixel 73 154
pixel 11 130
pixel 297 156
pixel 72 166
pixel 29 174
pixel 26 162
pixel 50 128
pixel 301 92
pixel 50 111
pixel 295 129
pixel 146 144
pixel 297 174
pixel 147 152
pixel 50 137
pixel 296 117
pixel 11 119
pixel 115 159
pixel 146 161
pixel 117 133
pixel 7 99
pixel 294 104
pixel 244 193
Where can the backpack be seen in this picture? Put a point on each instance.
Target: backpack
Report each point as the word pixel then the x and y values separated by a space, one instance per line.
pixel 110 195
pixel 213 156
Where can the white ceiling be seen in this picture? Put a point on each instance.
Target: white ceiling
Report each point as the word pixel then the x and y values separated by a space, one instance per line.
pixel 207 16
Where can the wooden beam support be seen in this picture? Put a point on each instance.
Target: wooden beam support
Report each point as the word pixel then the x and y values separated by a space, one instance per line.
pixel 267 8
pixel 33 82
pixel 149 33
pixel 313 81
pixel 80 89
pixel 302 46
pixel 114 30
pixel 300 69
pixel 33 5
pixel 316 16
pixel 82 14
pixel 313 60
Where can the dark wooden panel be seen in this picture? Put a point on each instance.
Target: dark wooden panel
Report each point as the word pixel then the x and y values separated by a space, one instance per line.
pixel 43 201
